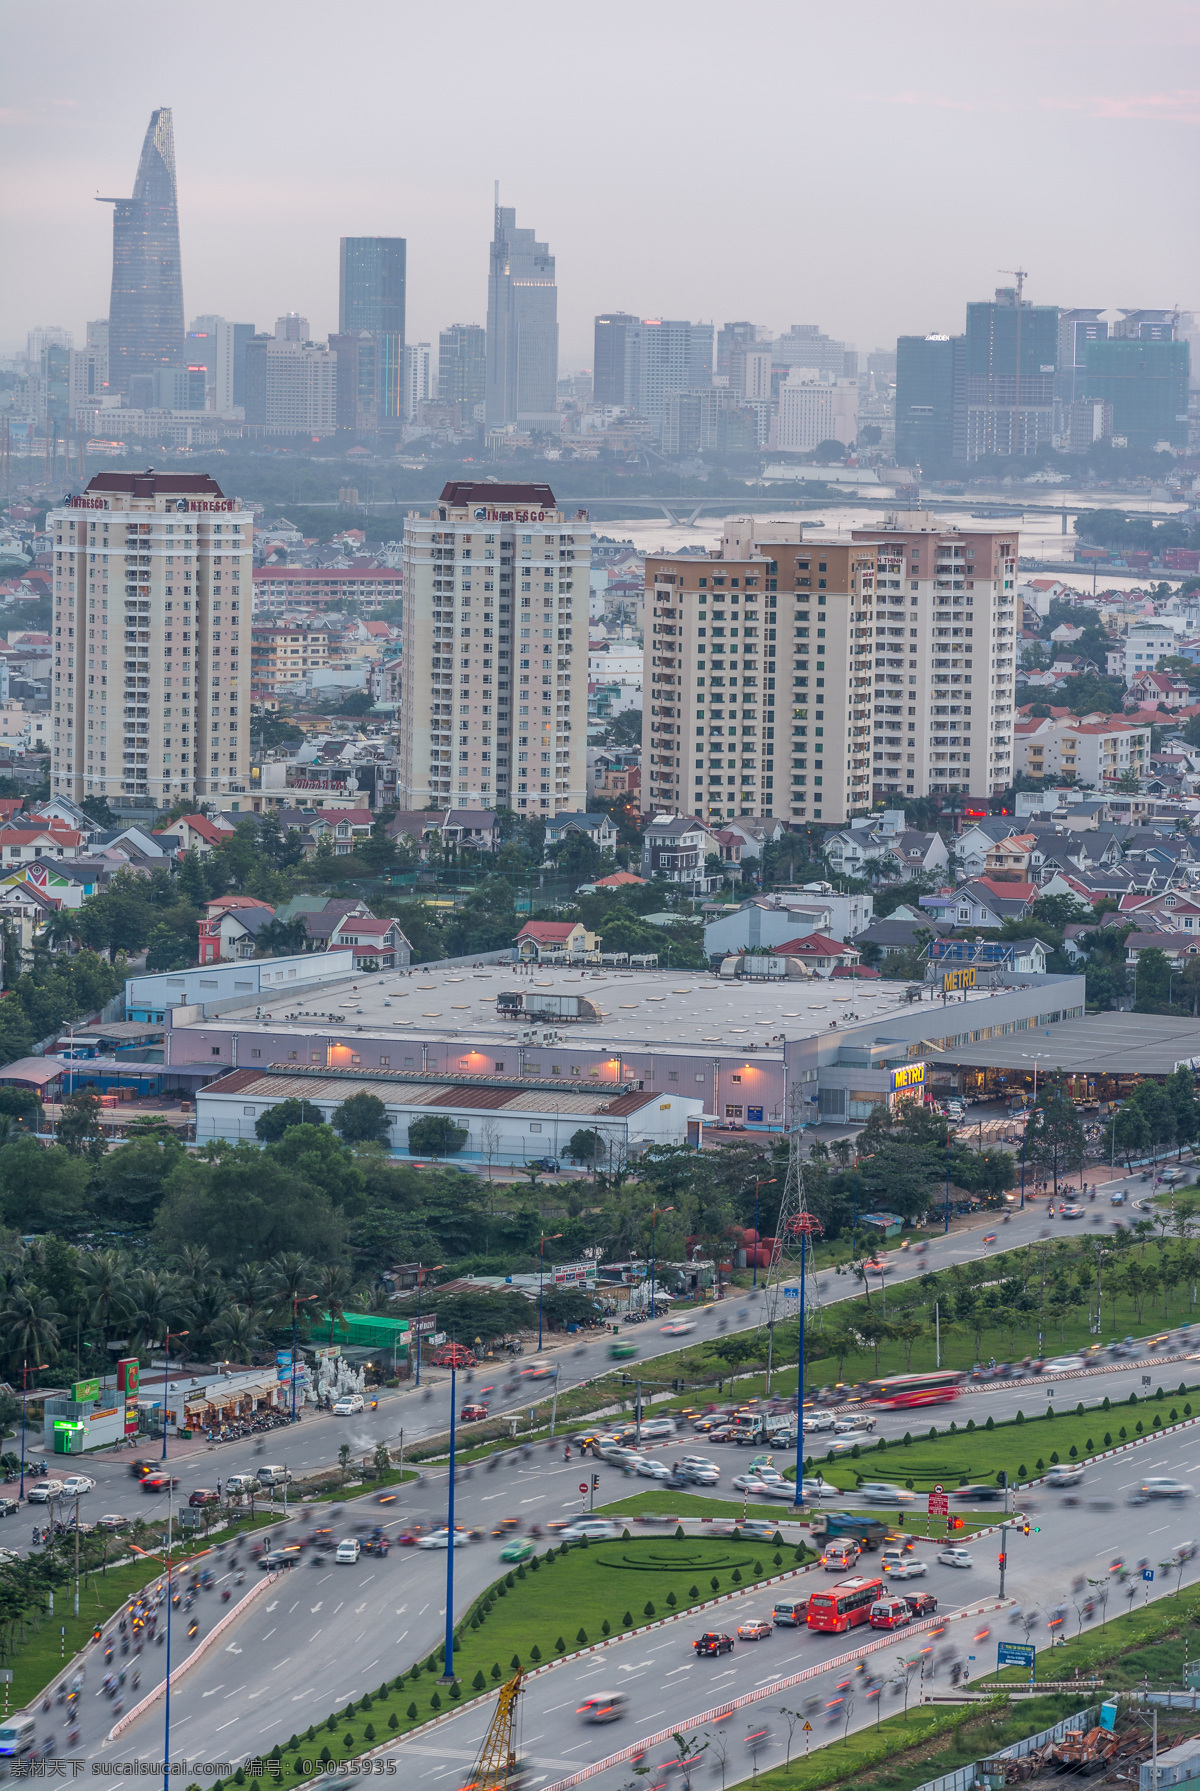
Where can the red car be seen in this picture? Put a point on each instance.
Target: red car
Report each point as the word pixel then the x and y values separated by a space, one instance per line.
pixel 713 1643
pixel 921 1604
pixel 204 1495
pixel 157 1483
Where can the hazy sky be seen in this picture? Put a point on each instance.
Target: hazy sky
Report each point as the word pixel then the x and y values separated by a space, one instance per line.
pixel 866 167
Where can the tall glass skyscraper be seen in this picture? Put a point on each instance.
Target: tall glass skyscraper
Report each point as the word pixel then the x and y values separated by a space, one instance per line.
pixel 145 316
pixel 371 282
pixel 522 328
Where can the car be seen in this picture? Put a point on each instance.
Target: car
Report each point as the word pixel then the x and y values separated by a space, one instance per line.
pixel 348 1404
pixel 658 1427
pixel 237 1484
pixel 9 1507
pixel 276 1559
pixel 473 1414
pixel 693 1475
pixel 596 1529
pixel 748 1483
pixel 1164 1489
pixel 347 1552
pixel 955 1557
pixel 75 1485
pixel 921 1604
pixel 882 1492
pixel 376 1545
pixel 754 1629
pixel 841 1446
pixel 42 1491
pixel 910 1568
pixel 441 1539
pixel 159 1483
pixel 978 1494
pixel 819 1421
pixel 112 1521
pixel 1118 1197
pixel 1070 1212
pixel 603 1707
pixel 540 1371
pixel 517 1550
pixel 677 1327
pixel 853 1421
pixel 141 1466
pixel 649 1469
pixel 505 1526
pixel 699 1461
pixel 1064 1475
pixel 713 1642
pixel 273 1476
pixel 890 1613
pixel 548 1165
pixel 204 1495
pixel 1064 1365
pixel 819 1489
pixel 620 1351
pixel 878 1265
pixel 840 1556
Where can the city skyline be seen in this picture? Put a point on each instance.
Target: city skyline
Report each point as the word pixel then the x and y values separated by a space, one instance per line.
pixel 266 202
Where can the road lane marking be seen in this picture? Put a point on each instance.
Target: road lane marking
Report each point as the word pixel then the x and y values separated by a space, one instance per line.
pixel 229 1724
pixel 215 1690
pixel 268 1635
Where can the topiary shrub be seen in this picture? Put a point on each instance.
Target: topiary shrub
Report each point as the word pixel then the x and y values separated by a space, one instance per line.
pixel 625 1537
pixel 970 1423
pixel 1089 1445
pixel 1106 1404
pixel 455 1691
pixel 777 1559
pixel 1108 1439
pixel 369 1732
pixel 1079 1409
pixel 672 1600
pixel 1132 1400
pixel 648 1609
pixel 1174 1416
pixel 1139 1427
pixel 758 1567
pixel 560 1647
pixel 1039 1465
pixel 991 1423
pixel 581 1637
pixel 411 1713
pixel 906 1439
pixel 1122 1433
pixel 1073 1452
pixel 496 1671
pixel 627 1620
pixel 1022 1471
pixel 714 1582
pixel 394 1721
pixel 479 1683
pixel 1157 1422
pixel 331 1725
pixel 1054 1457
pixel 311 1734
pixel 348 1740
pixel 679 1527
pixel 298 1767
pixel 1020 1417
pixel 693 1592
pixel 1187 1410
pixel 515 1663
pixel 1049 1411
pixel 606 1628
pixel 435 1700
pixel 736 1576
pixel 535 1653
pixel 348 1712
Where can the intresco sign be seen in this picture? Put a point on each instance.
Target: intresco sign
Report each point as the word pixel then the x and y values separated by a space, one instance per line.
pixel 912 1075
pixel 957 979
pixel 489 515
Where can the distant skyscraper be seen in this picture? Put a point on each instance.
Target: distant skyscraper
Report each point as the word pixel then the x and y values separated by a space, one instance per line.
pixel 1011 361
pixel 291 327
pixel 145 316
pixel 522 328
pixel 225 358
pixel 608 356
pixel 1145 382
pixel 1075 330
pixel 418 367
pixel 462 366
pixel 640 360
pixel 925 389
pixel 49 335
pixel 371 298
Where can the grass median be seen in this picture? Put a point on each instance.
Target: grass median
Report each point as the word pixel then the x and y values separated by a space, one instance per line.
pixel 610 1588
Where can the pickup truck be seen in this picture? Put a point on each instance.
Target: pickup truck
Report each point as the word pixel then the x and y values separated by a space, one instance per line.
pixel 867 1532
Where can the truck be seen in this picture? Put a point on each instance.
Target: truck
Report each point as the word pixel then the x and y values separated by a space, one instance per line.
pixel 867 1532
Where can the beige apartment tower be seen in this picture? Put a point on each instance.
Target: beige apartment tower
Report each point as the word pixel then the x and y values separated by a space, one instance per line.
pixel 495 652
pixel 945 657
pixel 757 684
pixel 152 600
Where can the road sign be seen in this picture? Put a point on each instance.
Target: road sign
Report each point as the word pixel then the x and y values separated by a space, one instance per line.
pixel 939 1504
pixel 583 1486
pixel 1016 1654
pixel 1147 1573
pixel 807 1729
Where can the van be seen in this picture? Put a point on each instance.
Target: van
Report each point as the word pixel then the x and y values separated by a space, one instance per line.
pixel 790 1613
pixel 273 1476
pixel 890 1613
pixel 17 1736
pixel 242 1483
pixel 839 1557
pixel 347 1552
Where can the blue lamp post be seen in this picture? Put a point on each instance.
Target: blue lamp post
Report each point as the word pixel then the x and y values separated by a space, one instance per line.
pixel 803 1226
pixel 448 1650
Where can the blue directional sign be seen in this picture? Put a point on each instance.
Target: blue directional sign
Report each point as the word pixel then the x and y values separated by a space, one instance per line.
pixel 1016 1654
pixel 1147 1573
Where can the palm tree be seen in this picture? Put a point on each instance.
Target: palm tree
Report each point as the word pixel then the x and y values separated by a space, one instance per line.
pixel 251 1286
pixel 159 1304
pixel 290 1276
pixel 29 1324
pixel 105 1289
pixel 236 1333
pixel 194 1264
pixel 333 1285
pixel 208 1304
pixel 59 929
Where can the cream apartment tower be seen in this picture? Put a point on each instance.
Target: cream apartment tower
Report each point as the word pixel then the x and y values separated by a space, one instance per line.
pixel 806 679
pixel 495 652
pixel 152 601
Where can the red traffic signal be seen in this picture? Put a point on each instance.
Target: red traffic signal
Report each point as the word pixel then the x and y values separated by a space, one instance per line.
pixel 1003 1558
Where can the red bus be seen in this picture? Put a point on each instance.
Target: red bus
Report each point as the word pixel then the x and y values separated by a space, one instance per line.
pixel 845 1605
pixel 897 1392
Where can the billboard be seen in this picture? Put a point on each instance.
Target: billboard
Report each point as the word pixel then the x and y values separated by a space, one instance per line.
pixel 957 979
pixel 909 1075
pixel 127 1385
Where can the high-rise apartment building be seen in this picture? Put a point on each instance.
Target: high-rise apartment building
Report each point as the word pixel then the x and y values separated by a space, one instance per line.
pixel 495 661
pixel 145 313
pixel 813 410
pixel 928 372
pixel 737 335
pixel 1011 361
pixel 372 272
pixel 291 386
pixel 221 346
pixel 418 372
pixel 152 599
pixel 806 346
pixel 522 329
pixel 946 620
pixel 642 360
pixel 757 682
pixel 462 366
pixel 357 356
pixel 1075 330
pixel 1144 382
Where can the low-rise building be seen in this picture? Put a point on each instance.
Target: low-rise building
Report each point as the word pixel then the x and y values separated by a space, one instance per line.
pixel 676 847
pixel 553 941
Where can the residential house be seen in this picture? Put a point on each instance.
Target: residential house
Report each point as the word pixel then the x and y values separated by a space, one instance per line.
pixel 321 916
pixel 229 927
pixel 756 832
pixel 596 827
pixel 982 903
pixel 1009 858
pixel 895 938
pixel 919 854
pixel 1158 690
pixel 613 780
pixel 731 846
pixel 1175 946
pixel 429 829
pixel 377 944
pixel 820 953
pixel 553 941
pixel 343 827
pixel 850 848
pixel 676 847
pixel 976 841
pixel 195 832
pixel 24 840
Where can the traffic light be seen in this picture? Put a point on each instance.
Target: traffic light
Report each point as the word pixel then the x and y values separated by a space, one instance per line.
pixel 1003 1558
pixel 954 1523
pixel 595 1481
pixel 1025 1527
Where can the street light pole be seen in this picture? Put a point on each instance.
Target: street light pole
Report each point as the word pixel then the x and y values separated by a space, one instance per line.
pixel 654 1212
pixel 25 1374
pixel 448 1650
pixel 166 1377
pixel 807 1227
pixel 295 1306
pixel 541 1273
pixel 767 1182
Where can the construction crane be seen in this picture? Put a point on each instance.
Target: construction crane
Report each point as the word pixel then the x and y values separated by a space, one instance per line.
pixel 1020 275
pixel 496 1767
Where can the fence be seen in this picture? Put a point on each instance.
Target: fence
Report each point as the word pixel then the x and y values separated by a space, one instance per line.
pixel 966 1776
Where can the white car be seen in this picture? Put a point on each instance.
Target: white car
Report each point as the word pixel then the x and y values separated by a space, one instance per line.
pixel 1155 1489
pixel 42 1491
pixel 648 1469
pixel 702 1462
pixel 954 1557
pixel 881 1492
pixel 677 1327
pixel 440 1539
pixel 820 1421
pixel 347 1552
pixel 770 1476
pixel 748 1483
pixel 596 1529
pixel 1064 1365
pixel 853 1421
pixel 909 1568
pixel 348 1405
pixel 658 1427
pixel 1062 1475
pixel 820 1489
pixel 76 1484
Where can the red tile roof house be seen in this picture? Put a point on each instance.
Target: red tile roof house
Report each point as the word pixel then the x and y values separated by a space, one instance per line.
pixel 377 944
pixel 821 953
pixel 222 935
pixel 197 831
pixel 552 939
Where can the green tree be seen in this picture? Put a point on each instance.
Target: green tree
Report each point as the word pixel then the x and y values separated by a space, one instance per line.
pixel 435 1135
pixel 1152 982
pixel 245 1206
pixel 362 1119
pixel 1054 1137
pixel 275 1121
pixel 584 1146
pixel 1180 1090
pixel 79 1130
pixel 128 1183
pixel 38 1187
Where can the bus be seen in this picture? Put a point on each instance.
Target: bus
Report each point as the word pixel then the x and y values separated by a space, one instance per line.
pixel 898 1392
pixel 845 1606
